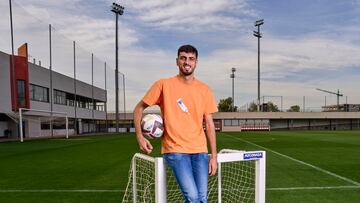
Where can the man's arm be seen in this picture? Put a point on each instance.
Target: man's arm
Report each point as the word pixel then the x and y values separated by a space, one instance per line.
pixel 211 136
pixel 144 144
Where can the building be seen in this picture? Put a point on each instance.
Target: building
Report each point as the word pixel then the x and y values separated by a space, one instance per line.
pixel 265 121
pixel 342 107
pixel 84 104
pixel 239 121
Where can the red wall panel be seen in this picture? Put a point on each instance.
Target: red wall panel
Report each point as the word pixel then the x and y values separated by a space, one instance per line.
pixel 21 73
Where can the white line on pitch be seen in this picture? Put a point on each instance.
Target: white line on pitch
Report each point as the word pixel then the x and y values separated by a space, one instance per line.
pixel 301 162
pixel 60 190
pixel 315 188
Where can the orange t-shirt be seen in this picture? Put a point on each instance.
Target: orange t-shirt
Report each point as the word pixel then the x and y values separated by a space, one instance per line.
pixel 183 106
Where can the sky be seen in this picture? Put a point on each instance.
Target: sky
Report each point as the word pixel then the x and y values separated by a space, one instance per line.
pixel 306 45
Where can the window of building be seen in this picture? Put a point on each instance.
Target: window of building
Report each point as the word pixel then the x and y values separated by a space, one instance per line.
pixel 234 122
pixel 68 99
pixel 21 93
pixel 231 122
pixel 100 107
pixel 70 102
pixel 227 122
pixel 59 97
pixel 38 93
pixel 90 105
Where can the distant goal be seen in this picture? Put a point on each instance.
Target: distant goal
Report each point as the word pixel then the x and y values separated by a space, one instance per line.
pixel 43 123
pixel 240 178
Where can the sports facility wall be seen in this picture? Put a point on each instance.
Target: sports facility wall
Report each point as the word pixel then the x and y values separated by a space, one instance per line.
pixel 233 121
pixel 5 99
pixel 316 124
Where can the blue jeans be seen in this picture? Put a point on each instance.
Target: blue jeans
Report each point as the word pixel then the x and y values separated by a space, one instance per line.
pixel 191 173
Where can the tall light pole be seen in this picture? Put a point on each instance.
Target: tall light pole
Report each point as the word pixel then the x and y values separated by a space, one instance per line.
pixel 118 10
pixel 15 103
pixel 258 35
pixel 232 76
pixel 124 97
pixel 12 60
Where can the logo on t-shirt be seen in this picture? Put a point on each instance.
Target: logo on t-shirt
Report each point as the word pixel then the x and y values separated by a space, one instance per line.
pixel 182 106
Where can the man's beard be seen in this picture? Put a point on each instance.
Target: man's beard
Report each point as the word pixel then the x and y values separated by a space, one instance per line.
pixel 187 73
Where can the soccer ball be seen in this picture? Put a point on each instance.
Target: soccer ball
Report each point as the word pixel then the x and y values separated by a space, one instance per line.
pixel 152 126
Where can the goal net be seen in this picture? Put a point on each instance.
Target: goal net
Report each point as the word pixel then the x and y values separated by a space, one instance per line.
pixel 240 178
pixel 34 123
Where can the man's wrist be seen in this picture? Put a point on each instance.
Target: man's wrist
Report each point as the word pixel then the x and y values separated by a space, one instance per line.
pixel 139 136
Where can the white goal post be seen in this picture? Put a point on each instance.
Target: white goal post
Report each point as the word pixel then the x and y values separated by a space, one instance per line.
pixel 43 113
pixel 240 178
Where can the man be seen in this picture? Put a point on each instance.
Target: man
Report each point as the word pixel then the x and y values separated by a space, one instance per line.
pixel 185 103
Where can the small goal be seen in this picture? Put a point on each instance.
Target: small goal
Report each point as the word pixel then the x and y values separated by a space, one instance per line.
pixel 240 178
pixel 43 123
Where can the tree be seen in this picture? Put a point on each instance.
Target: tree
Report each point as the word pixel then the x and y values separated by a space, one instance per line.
pixel 225 105
pixel 271 107
pixel 252 107
pixel 294 108
pixel 266 107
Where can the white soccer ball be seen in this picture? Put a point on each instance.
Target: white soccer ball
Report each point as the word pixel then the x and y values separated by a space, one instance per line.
pixel 152 126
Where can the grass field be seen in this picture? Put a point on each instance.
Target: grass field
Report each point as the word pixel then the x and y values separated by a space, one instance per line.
pixel 302 166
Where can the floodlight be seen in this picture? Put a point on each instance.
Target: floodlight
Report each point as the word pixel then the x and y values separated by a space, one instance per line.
pixel 259 22
pixel 118 10
pixel 258 35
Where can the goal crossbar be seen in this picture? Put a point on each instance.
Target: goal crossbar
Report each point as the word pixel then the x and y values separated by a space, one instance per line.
pixel 21 111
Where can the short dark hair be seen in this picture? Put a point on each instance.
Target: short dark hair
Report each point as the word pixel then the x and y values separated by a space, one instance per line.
pixel 188 49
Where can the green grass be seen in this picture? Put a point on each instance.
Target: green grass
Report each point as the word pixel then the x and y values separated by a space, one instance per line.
pixel 59 170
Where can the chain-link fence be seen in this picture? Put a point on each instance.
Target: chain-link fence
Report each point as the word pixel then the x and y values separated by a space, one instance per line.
pixel 298 103
pixel 49 47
